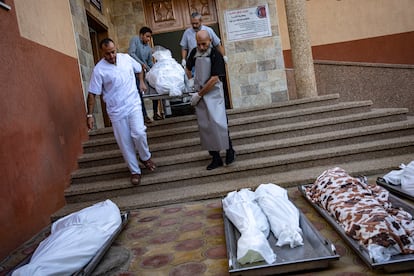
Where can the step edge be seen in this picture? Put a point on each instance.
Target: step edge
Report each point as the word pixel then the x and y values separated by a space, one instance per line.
pixel 250 164
pixel 146 200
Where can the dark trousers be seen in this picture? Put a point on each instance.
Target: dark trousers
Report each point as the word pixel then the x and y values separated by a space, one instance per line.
pixel 155 106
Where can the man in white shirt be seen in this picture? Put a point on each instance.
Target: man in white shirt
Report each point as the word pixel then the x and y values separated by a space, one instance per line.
pixel 114 78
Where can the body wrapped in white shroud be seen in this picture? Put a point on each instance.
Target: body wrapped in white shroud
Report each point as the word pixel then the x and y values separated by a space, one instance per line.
pixel 74 241
pixel 281 213
pixel 242 210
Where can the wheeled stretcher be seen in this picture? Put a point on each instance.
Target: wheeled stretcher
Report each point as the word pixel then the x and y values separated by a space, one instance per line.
pixel 165 100
pixel 164 105
pixel 166 81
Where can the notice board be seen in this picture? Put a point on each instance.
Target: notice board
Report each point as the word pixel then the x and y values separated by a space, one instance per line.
pixel 248 23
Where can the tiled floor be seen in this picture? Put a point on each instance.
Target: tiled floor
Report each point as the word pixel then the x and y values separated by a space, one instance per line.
pixel 182 239
pixel 188 239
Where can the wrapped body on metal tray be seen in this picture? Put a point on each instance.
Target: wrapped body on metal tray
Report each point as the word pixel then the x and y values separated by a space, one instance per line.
pixel 365 213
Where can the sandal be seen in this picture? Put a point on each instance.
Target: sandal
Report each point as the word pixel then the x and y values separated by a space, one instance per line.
pixel 147 120
pixel 158 117
pixel 148 164
pixel 135 179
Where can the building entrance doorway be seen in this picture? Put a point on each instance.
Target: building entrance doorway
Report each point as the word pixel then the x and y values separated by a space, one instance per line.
pixel 97 32
pixel 169 19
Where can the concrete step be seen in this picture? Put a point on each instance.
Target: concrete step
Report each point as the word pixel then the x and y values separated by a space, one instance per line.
pixel 264 121
pixel 188 120
pixel 272 147
pixel 298 104
pixel 289 178
pixel 190 129
pixel 294 116
pixel 305 127
pixel 287 143
pixel 186 177
pixel 241 138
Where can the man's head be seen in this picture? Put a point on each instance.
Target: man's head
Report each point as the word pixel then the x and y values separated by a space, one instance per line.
pixel 196 21
pixel 145 34
pixel 203 40
pixel 108 49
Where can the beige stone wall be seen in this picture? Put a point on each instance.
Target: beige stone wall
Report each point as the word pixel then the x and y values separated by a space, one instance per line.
pixel 332 21
pixel 83 43
pixel 128 16
pixel 104 16
pixel 256 70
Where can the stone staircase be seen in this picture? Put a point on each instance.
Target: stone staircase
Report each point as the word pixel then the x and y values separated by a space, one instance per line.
pixel 288 144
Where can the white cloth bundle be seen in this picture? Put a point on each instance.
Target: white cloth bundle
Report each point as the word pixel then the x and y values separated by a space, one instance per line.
pixel 282 215
pixel 242 210
pixel 403 177
pixel 74 241
pixel 166 75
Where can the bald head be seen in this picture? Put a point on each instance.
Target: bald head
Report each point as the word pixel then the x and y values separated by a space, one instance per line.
pixel 203 40
pixel 203 34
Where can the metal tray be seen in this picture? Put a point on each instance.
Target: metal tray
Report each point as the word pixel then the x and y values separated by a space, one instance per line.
pixel 397 263
pixel 316 253
pixel 396 189
pixel 93 263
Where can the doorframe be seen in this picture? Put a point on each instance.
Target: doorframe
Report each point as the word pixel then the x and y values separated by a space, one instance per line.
pixel 97 32
pixel 186 24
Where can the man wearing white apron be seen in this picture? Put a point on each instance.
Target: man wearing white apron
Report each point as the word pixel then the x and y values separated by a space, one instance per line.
pixel 114 77
pixel 209 100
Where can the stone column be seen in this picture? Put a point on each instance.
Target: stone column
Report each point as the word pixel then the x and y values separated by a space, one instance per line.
pixel 301 49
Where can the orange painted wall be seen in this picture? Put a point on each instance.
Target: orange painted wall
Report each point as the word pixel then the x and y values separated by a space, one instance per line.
pixel 42 126
pixel 392 49
pixel 372 31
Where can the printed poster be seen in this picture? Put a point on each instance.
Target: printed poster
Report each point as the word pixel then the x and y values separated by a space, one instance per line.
pixel 248 23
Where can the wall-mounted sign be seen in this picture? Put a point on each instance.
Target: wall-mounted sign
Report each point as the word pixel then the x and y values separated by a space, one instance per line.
pixel 248 23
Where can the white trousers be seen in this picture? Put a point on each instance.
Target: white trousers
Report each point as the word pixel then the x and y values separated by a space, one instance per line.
pixel 130 134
